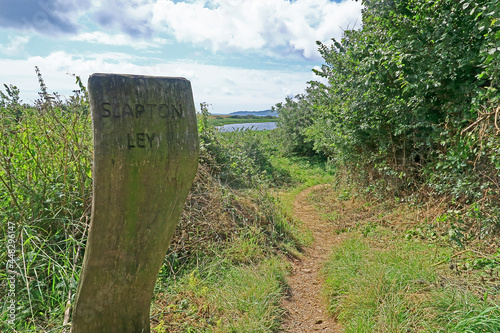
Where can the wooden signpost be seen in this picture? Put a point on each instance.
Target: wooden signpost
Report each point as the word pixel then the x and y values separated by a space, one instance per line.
pixel 145 160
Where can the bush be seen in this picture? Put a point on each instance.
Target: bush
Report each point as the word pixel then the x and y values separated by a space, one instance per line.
pixel 411 103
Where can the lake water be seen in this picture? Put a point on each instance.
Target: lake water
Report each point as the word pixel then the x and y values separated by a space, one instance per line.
pixel 253 126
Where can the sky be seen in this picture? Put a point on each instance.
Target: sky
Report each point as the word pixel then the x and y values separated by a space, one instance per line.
pixel 240 55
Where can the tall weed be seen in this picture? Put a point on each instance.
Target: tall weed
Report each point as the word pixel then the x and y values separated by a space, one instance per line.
pixel 45 190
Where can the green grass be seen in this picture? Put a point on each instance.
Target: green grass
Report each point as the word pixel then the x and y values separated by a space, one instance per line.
pixel 398 268
pixel 380 283
pixel 219 296
pixel 478 319
pixel 250 297
pixel 45 192
pixel 303 172
pixel 369 288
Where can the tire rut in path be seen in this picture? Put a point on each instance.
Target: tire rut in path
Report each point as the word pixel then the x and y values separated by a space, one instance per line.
pixel 305 305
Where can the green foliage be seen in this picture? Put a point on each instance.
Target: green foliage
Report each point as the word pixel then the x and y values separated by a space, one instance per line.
pixel 240 158
pixel 209 143
pixel 398 81
pixel 251 298
pixel 244 160
pixel 474 320
pixel 411 100
pixel 369 290
pixel 247 299
pixel 305 171
pixel 45 199
pixel 10 102
pixel 295 116
pixel 45 191
pixel 395 271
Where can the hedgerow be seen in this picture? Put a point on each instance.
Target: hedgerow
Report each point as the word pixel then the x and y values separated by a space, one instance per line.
pixel 409 104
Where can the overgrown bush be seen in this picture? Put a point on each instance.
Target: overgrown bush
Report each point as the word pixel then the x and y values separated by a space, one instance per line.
pixel 295 116
pixel 411 101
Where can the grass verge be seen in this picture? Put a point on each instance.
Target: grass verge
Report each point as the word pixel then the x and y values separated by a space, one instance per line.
pixel 399 269
pixel 397 289
pixel 222 297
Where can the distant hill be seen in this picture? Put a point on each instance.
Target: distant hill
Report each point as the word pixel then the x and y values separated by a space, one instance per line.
pixel 255 113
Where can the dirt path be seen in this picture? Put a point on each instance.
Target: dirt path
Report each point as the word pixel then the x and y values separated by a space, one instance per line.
pixel 306 307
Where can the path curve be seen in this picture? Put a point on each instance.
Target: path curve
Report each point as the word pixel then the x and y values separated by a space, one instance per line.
pixel 306 307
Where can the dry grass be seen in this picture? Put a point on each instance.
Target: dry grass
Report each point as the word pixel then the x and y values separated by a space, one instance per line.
pixel 224 251
pixel 216 215
pixel 346 208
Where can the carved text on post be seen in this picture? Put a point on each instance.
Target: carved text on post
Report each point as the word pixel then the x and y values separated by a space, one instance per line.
pixel 117 110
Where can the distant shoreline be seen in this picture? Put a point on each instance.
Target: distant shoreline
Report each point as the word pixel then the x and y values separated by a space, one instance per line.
pixel 219 120
pixel 262 126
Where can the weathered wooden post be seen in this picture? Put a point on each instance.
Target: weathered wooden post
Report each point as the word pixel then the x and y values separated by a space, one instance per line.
pixel 145 160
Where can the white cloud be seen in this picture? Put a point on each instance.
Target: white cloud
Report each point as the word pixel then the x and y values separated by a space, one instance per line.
pixel 227 89
pixel 266 26
pixel 279 25
pixel 15 46
pixel 99 37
